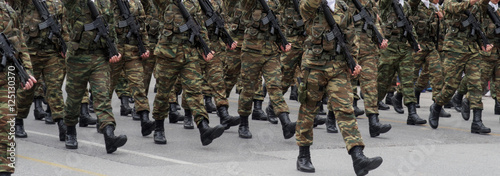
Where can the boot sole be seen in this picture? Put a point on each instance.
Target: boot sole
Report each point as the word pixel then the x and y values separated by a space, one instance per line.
pixel 480 132
pixel 148 128
pixel 23 136
pixel 115 145
pixel 160 142
pixel 218 130
pixel 304 170
pixel 373 165
pixel 71 147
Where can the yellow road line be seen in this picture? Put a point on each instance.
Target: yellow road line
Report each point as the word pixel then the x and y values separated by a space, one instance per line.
pixel 60 165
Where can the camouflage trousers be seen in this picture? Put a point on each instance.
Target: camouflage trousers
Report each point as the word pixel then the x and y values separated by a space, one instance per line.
pixel 335 81
pixel 252 66
pixel 94 69
pixel 175 92
pixel 7 123
pixel 121 87
pixel 134 75
pixel 428 59
pixel 51 68
pixel 368 83
pixel 398 60
pixel 40 86
pixel 232 68
pixel 214 84
pixel 186 66
pixel 487 66
pixel 148 66
pixel 454 64
pixel 289 62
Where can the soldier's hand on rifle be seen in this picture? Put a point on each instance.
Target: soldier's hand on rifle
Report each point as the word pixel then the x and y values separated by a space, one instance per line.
pixel 63 55
pixel 115 58
pixel 287 48
pixel 384 44
pixel 419 49
pixel 488 47
pixel 145 55
pixel 357 70
pixel 233 46
pixel 440 15
pixel 28 85
pixel 209 57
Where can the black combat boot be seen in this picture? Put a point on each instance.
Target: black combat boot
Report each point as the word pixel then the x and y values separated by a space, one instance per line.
pixel 209 105
pixel 244 130
pixel 147 126
pixel 258 113
pixel 91 104
pixel 71 142
pixel 304 163
pixel 135 115
pixel 174 115
pixel 85 118
pixel 207 133
pixel 225 119
pixel 417 96
pixel 382 106
pixel 362 164
pixel 457 101
pixel 113 142
pixel 188 119
pixel 376 127
pixel 48 117
pixel 331 126
pixel 294 93
pixel 125 109
pixel 413 117
pixel 318 120
pixel 20 133
pixel 434 115
pixel 448 105
pixel 497 107
pixel 159 136
pixel 321 110
pixel 388 98
pixel 357 111
pixel 62 129
pixel 287 126
pixel 5 174
pixel 271 116
pixel 443 113
pixel 38 111
pixel 465 109
pixel 397 102
pixel 477 123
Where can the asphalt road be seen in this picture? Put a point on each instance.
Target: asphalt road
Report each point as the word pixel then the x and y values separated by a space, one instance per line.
pixel 407 150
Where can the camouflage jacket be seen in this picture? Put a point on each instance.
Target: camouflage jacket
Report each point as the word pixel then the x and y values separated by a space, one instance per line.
pixel 289 19
pixel 366 38
pixel 426 22
pixel 490 25
pixel 216 43
pixel 37 40
pixel 128 46
pixel 458 38
pixel 153 25
pixel 391 32
pixel 9 25
pixel 258 37
pixel 233 11
pixel 319 50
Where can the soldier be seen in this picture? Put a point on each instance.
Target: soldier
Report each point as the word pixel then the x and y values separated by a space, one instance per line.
pixel 426 16
pixel 176 57
pixel 87 61
pixel 464 57
pixel 10 28
pixel 260 56
pixel 398 58
pixel 131 44
pixel 324 69
pixel 47 55
pixel 153 27
pixel 368 59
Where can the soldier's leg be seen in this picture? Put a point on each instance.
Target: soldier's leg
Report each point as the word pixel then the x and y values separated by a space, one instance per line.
pixel 53 75
pixel 436 77
pixel 121 87
pixel 315 83
pixel 258 98
pixel 24 98
pixel 386 73
pixel 117 70
pixel 207 91
pixel 289 62
pixel 406 76
pixel 251 64
pixel 496 85
pixel 475 89
pixel 148 66
pixel 354 84
pixel 7 122
pixel 232 68
pixel 174 112
pixel 40 88
pixel 419 70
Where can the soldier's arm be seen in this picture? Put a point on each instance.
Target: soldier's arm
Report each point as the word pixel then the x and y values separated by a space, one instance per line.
pixel 454 7
pixel 142 23
pixel 308 9
pixel 108 12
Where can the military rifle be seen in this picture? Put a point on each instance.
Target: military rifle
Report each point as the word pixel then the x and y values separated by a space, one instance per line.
pixel 475 27
pixel 49 21
pixel 337 34
pixel 404 23
pixel 102 29
pixel 215 18
pixel 299 22
pixel 369 21
pixel 8 54
pixel 275 27
pixel 194 27
pixel 134 27
pixel 494 17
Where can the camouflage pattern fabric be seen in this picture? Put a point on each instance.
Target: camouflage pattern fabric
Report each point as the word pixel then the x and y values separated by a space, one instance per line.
pixel 327 73
pixel 121 88
pixel 232 61
pixel 88 63
pixel 153 26
pixel 173 93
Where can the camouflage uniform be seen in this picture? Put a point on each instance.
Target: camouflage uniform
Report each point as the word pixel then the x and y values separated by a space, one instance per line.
pixel 46 58
pixel 426 29
pixel 232 61
pixel 153 27
pixel 10 27
pixel 324 70
pixel 121 88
